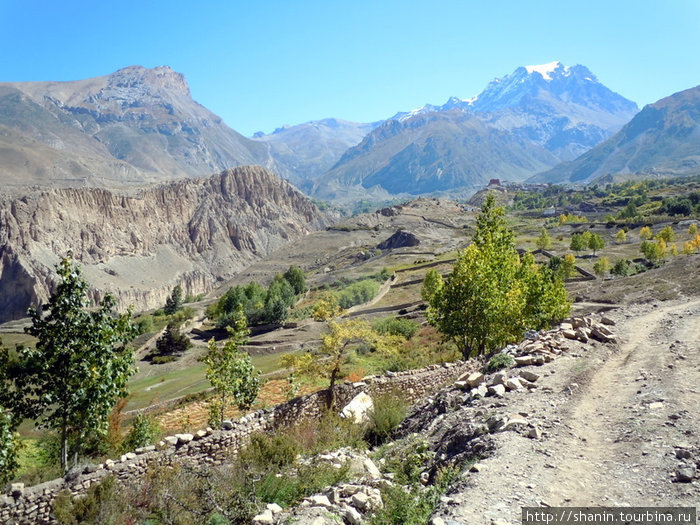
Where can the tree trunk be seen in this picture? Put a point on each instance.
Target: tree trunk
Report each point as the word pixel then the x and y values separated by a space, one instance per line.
pixel 64 446
pixel 223 410
pixel 331 388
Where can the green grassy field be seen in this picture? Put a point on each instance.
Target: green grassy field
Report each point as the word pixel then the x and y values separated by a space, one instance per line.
pixel 160 387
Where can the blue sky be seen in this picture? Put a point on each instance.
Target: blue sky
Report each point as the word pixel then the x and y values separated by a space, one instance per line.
pixel 260 64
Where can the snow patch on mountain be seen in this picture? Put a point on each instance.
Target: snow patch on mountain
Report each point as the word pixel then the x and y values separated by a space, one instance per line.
pixel 545 69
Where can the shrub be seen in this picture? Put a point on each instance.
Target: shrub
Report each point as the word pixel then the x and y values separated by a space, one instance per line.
pixel 144 324
pixel 396 326
pixel 145 431
pixel 71 510
pixel 388 412
pixel 667 234
pixel 602 266
pixel 621 268
pixel 500 361
pixel 271 450
pixel 173 341
pixel 296 278
pixel 161 359
pixel 358 293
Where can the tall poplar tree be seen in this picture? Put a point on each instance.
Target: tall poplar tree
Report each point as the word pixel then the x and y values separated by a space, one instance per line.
pixel 81 364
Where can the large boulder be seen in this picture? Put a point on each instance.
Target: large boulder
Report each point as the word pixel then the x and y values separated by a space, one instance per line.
pixel 400 239
pixel 359 408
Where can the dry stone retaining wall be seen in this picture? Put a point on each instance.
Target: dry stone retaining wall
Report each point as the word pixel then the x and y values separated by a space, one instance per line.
pixel 33 504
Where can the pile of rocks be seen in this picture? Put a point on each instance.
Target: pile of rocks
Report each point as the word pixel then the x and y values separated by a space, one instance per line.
pixel 347 502
pixel 496 384
pixel 537 349
pixel 541 347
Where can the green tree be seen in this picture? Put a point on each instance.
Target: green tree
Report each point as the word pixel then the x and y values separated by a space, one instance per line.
pixel 230 370
pixel 9 447
pixel 667 234
pixel 295 276
pixel 629 211
pixel 621 268
pixel 81 363
pixel 174 302
pixel 280 298
pixel 144 431
pixel 693 230
pixel 431 284
pixel 596 242
pixel 621 236
pixel 601 267
pixel 577 243
pixel 326 307
pixel 173 341
pixel 653 251
pixel 491 296
pixel 544 241
pixel 569 266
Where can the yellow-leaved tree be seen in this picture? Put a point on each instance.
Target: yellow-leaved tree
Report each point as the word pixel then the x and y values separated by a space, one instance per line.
pixel 336 346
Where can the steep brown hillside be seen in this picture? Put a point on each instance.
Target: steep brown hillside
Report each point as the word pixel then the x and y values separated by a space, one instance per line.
pixel 138 246
pixel 133 126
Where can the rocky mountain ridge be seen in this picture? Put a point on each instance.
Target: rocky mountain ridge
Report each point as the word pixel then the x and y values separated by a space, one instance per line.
pixel 137 246
pixel 662 139
pixel 133 126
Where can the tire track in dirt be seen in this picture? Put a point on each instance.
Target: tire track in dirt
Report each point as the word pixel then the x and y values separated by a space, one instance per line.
pixel 614 454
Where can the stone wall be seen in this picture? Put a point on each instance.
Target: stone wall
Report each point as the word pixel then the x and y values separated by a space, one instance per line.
pixel 33 504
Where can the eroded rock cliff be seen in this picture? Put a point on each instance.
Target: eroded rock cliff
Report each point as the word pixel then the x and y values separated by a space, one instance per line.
pixel 138 246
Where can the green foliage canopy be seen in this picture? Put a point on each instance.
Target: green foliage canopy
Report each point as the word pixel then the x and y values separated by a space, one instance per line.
pixel 9 447
pixel 230 371
pixel 174 302
pixel 79 369
pixel 492 295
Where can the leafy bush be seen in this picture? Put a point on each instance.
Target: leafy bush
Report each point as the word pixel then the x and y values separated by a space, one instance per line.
pixel 409 502
pixel 388 412
pixel 145 431
pixel 500 361
pixel 296 278
pixel 396 326
pixel 189 298
pixel 69 510
pixel 161 359
pixel 144 324
pixel 358 293
pixel 271 450
pixel 9 447
pixel 621 268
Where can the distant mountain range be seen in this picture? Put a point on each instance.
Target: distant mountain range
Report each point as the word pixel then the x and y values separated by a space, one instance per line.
pixel 139 126
pixel 662 139
pixel 302 153
pixel 519 125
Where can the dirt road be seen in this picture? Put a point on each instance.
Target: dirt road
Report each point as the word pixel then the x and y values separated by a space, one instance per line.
pixel 616 424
